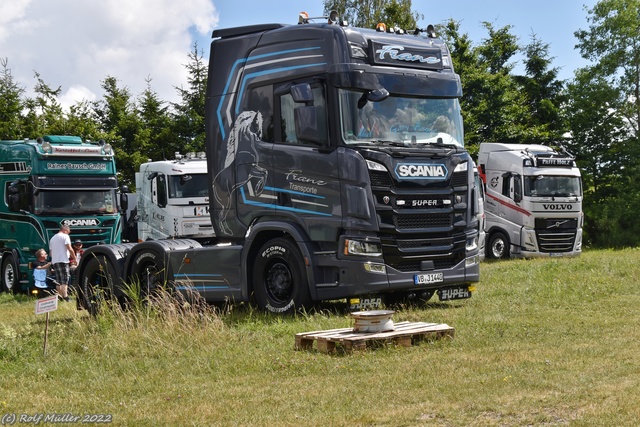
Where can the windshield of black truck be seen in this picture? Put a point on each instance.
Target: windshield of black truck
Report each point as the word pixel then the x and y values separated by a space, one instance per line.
pixel 400 120
pixel 185 186
pixel 81 202
pixel 552 186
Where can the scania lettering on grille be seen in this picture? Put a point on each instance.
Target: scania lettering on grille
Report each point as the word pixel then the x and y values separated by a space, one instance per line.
pixel 420 171
pixel 80 222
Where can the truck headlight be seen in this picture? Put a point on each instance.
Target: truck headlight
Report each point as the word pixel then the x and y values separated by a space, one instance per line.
pixel 375 166
pixel 359 247
pixel 529 239
pixel 461 167
pixel 472 243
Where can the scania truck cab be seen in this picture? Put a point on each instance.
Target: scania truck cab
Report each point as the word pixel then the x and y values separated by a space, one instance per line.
pixel 533 201
pixel 48 182
pixel 337 169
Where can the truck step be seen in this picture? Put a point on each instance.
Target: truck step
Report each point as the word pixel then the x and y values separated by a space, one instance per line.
pixel 405 334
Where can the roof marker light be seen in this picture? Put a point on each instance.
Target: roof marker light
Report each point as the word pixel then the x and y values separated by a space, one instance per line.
pixel 334 17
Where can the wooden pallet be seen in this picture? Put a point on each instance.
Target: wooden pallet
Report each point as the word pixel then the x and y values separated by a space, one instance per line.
pixel 405 334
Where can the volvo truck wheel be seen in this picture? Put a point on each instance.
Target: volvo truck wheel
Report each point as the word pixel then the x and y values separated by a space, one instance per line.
pixel 96 284
pixel 149 267
pixel 10 275
pixel 498 245
pixel 279 281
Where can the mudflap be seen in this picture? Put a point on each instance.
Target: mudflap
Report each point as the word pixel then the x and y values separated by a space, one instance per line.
pixel 455 292
pixel 368 302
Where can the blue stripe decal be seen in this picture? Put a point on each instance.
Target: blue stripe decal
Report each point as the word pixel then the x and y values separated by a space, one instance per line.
pixel 196 275
pixel 297 193
pixel 242 61
pixel 202 288
pixel 284 208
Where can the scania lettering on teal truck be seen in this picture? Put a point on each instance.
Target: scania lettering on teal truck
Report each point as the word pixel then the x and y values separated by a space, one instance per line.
pixel 46 183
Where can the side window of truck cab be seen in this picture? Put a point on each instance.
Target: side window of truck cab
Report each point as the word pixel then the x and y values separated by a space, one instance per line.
pixel 512 186
pixel 261 101
pixel 17 196
pixel 303 114
pixel 158 182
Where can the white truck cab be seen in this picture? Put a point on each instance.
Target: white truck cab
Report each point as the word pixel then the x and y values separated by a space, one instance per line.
pixel 533 202
pixel 173 198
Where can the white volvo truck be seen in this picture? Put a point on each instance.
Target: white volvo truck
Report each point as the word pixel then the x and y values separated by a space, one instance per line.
pixel 533 201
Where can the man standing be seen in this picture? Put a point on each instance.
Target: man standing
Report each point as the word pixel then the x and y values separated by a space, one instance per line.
pixel 61 253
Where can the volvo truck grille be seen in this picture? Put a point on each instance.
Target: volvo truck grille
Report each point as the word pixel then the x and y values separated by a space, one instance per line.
pixel 556 234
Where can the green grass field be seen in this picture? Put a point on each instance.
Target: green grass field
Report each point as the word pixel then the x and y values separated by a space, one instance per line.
pixel 550 342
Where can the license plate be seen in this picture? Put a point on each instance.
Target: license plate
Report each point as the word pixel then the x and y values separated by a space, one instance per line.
pixel 424 279
pixel 454 293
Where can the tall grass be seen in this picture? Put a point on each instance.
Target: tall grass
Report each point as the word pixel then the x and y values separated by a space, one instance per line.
pixel 542 342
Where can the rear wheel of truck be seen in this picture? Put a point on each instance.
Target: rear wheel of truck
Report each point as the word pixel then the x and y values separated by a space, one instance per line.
pixel 96 284
pixel 279 281
pixel 498 245
pixel 149 268
pixel 10 275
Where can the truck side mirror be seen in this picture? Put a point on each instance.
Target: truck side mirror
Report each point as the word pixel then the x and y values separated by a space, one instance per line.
pixel 301 93
pixel 517 188
pixel 375 95
pixel 162 191
pixel 13 198
pixel 124 201
pixel 309 124
pixel 18 196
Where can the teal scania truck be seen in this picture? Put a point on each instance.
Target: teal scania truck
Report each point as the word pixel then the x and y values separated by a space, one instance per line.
pixel 48 182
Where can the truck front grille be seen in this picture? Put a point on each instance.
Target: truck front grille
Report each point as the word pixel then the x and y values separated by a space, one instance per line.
pixel 421 230
pixel 556 234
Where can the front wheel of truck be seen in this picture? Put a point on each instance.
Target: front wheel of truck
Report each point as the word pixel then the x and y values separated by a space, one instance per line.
pixel 498 245
pixel 279 281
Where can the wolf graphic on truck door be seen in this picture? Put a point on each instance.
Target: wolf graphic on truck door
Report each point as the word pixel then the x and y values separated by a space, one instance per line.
pixel 246 130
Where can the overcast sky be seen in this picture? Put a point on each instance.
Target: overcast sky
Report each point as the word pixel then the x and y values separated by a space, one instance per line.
pixel 76 44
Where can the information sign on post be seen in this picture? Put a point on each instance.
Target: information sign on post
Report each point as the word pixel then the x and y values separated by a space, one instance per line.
pixel 45 305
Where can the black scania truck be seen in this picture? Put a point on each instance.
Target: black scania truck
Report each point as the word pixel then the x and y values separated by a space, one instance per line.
pixel 337 170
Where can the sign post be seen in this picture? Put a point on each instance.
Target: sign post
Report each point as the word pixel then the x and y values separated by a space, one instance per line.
pixel 45 305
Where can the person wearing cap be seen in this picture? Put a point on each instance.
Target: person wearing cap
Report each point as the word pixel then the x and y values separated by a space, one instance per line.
pixel 77 249
pixel 61 254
